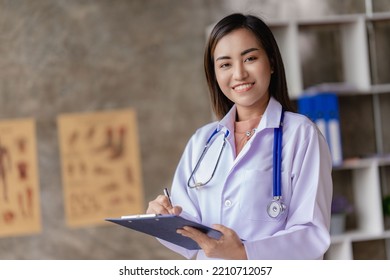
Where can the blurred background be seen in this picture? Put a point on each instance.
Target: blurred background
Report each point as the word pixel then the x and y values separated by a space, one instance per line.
pixel 80 56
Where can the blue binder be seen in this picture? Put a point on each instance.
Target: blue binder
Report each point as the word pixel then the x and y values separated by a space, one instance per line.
pixel 323 109
pixel 332 119
pixel 320 110
pixel 164 227
pixel 306 106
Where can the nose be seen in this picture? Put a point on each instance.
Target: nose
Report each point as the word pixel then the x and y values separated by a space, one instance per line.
pixel 240 72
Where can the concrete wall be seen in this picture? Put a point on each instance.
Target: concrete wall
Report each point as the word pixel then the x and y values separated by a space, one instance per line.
pixel 80 56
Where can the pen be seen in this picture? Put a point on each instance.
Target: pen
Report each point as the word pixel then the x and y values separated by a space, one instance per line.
pixel 166 193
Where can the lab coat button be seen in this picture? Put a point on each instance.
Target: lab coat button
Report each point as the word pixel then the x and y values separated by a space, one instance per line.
pixel 228 203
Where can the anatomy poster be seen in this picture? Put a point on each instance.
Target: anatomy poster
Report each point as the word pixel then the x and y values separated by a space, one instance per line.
pixel 19 184
pixel 101 168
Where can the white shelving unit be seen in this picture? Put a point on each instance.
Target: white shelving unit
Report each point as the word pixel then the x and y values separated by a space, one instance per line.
pixel 286 34
pixel 367 206
pixel 354 45
pixel 357 71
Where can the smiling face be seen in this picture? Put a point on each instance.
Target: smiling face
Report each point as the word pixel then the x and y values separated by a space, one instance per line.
pixel 243 72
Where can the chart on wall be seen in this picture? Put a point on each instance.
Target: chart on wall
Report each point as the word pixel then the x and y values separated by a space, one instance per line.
pixel 20 211
pixel 100 162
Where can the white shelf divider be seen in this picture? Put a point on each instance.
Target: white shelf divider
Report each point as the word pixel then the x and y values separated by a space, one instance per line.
pixel 368 202
pixel 287 39
pixel 340 251
pixel 355 54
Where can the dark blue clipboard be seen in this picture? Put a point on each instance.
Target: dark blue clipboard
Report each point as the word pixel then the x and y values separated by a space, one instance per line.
pixel 164 227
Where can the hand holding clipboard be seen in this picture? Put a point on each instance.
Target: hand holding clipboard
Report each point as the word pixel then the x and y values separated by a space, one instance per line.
pixel 165 227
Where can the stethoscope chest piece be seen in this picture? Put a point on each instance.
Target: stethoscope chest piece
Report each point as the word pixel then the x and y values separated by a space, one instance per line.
pixel 275 208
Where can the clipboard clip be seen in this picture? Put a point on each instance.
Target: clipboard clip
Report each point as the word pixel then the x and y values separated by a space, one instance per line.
pixel 141 216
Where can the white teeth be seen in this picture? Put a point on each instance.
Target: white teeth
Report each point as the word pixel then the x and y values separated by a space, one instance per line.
pixel 243 87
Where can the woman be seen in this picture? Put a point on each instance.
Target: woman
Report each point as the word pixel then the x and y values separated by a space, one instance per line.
pixel 232 187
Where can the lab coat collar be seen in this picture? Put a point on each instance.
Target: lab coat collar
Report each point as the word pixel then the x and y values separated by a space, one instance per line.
pixel 228 120
pixel 272 114
pixel 270 119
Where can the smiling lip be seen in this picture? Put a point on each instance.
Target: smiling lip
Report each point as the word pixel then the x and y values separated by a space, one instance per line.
pixel 243 87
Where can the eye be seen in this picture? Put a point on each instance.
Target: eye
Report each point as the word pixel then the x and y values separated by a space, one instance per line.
pixel 224 65
pixel 251 58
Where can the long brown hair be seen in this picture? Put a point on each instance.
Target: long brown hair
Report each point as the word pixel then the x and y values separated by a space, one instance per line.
pixel 278 85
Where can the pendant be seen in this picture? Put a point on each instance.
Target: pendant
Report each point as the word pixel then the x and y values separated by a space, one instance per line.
pixel 249 133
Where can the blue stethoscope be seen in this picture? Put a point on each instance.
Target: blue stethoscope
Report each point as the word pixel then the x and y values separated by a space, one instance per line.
pixel 276 207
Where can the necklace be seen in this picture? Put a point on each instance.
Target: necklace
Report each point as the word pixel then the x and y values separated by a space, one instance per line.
pixel 249 133
pixel 244 131
pixel 244 137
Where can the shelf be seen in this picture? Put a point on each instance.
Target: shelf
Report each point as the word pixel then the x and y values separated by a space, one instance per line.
pixel 299 45
pixel 380 88
pixel 328 20
pixel 378 16
pixel 342 246
pixel 347 89
pixel 356 236
pixel 331 20
pixel 358 163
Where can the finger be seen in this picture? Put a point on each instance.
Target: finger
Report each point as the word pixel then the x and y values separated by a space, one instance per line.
pixel 206 243
pixel 224 230
pixel 176 210
pixel 164 201
pixel 159 206
pixel 199 237
pixel 221 228
pixel 227 234
pixel 155 208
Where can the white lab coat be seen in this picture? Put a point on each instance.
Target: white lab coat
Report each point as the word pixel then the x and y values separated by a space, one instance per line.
pixel 238 194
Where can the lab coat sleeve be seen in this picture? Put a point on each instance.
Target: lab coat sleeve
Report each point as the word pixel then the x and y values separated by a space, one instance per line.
pixel 306 234
pixel 181 197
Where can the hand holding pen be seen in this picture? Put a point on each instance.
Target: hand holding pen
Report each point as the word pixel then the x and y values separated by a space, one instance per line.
pixel 166 193
pixel 175 210
pixel 163 205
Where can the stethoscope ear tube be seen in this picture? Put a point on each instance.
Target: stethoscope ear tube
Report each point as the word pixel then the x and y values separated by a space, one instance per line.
pixel 198 185
pixel 275 181
pixel 276 207
pixel 277 158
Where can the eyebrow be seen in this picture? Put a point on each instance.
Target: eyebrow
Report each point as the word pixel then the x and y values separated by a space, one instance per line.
pixel 242 53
